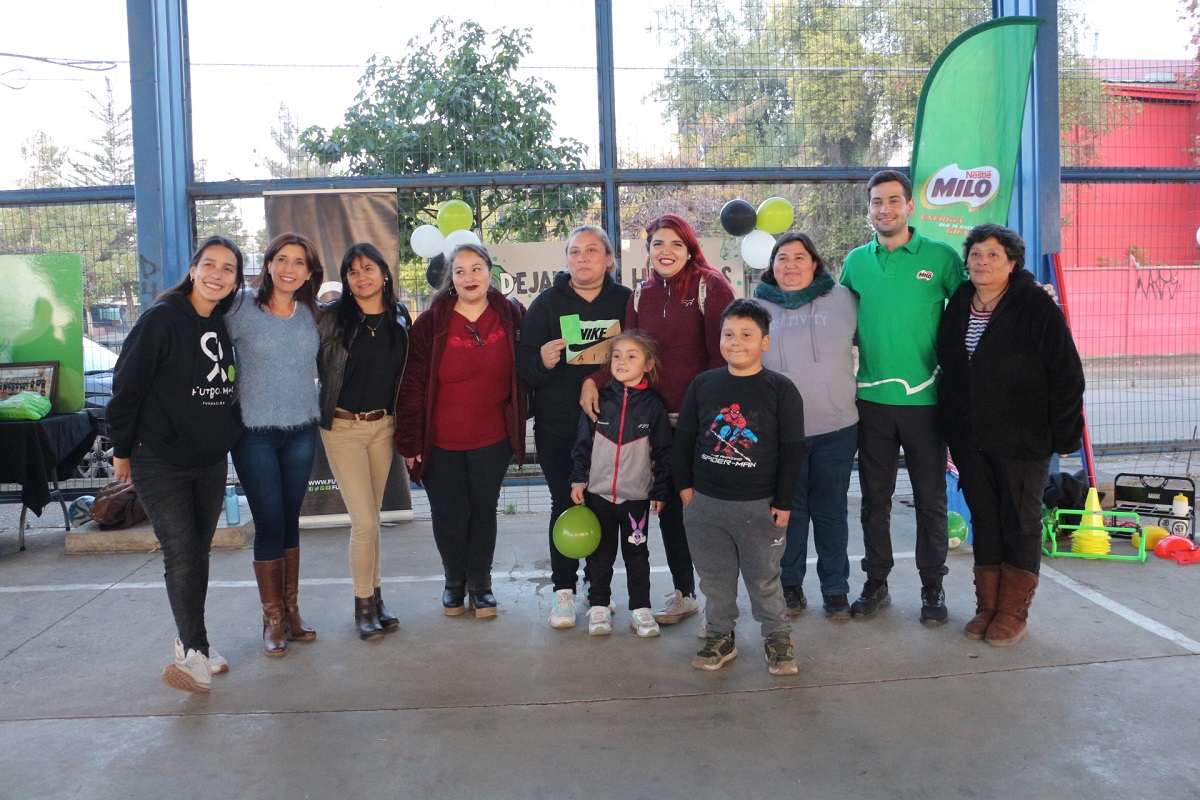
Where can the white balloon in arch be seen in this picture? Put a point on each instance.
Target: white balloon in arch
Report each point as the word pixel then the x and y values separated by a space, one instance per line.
pixel 756 249
pixel 456 238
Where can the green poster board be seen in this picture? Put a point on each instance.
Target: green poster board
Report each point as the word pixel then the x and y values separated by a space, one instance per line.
pixel 41 318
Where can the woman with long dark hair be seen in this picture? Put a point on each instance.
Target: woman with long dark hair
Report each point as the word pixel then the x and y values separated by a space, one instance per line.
pixel 362 356
pixel 172 422
pixel 680 305
pixel 274 331
pixel 461 419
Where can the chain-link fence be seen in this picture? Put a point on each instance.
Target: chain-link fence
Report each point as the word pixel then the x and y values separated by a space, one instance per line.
pixel 816 94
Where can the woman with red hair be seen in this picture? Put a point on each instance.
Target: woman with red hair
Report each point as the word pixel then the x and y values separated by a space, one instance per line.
pixel 680 305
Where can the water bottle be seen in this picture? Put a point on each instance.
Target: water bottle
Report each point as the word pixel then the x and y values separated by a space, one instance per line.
pixel 233 515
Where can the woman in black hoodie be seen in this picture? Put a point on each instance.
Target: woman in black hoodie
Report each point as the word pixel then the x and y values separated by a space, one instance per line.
pixel 555 369
pixel 172 422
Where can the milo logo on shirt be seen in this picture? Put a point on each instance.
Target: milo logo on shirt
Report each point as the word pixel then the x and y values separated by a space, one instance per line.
pixel 221 375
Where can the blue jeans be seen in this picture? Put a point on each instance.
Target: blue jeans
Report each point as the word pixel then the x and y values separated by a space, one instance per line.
pixel 184 505
pixel 821 497
pixel 273 465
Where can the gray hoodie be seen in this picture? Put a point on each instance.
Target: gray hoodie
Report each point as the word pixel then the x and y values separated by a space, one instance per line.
pixel 812 345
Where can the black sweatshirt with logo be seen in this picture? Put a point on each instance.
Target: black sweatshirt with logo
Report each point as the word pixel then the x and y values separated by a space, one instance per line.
pixel 173 387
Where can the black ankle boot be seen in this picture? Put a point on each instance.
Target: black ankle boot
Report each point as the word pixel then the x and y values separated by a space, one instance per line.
pixel 386 620
pixel 366 619
pixel 452 601
pixel 483 602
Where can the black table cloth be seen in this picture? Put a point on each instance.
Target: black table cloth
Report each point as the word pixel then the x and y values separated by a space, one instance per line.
pixel 33 453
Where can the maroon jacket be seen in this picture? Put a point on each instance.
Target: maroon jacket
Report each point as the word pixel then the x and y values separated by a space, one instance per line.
pixel 414 409
pixel 688 341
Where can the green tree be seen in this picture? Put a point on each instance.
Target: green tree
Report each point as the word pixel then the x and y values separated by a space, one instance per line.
pixel 219 216
pixel 293 162
pixel 815 83
pixel 455 103
pixel 110 247
pixel 110 162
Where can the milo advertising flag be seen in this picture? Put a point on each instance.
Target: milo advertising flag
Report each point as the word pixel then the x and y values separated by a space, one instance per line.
pixel 968 129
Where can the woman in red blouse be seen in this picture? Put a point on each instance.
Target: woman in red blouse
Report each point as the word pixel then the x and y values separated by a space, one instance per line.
pixel 461 419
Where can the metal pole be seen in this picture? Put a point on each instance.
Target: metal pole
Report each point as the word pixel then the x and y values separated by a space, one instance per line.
pixel 606 98
pixel 161 141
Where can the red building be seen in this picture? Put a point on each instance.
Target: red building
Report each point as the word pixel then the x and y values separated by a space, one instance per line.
pixel 1130 250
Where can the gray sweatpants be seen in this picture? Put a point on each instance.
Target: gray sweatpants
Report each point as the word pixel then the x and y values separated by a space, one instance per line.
pixel 727 537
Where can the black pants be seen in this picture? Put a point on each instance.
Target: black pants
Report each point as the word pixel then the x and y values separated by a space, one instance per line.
pixel 463 487
pixel 554 456
pixel 675 541
pixel 882 431
pixel 623 523
pixel 184 505
pixel 1005 498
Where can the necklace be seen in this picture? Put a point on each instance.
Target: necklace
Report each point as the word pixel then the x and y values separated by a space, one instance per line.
pixel 990 305
pixel 368 327
pixel 571 282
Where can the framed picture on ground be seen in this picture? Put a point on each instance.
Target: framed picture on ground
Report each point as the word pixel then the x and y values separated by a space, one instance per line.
pixel 40 377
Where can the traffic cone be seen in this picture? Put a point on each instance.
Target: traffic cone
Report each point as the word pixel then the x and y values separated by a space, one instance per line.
pixel 1094 518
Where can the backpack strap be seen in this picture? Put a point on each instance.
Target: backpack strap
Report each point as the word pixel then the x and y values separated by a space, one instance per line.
pixel 637 296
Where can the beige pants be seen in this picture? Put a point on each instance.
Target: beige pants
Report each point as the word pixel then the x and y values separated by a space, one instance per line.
pixel 360 457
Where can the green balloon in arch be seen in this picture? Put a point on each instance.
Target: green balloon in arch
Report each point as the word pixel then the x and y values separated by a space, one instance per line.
pixel 775 215
pixel 454 215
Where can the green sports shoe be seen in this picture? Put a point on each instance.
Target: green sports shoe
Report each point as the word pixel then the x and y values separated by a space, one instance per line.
pixel 716 652
pixel 781 654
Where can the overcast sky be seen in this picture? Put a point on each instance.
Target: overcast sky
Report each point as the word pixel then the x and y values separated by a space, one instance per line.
pixel 235 105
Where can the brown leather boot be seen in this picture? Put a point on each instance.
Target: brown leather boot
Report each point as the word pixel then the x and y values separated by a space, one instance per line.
pixel 269 575
pixel 1012 608
pixel 293 625
pixel 987 590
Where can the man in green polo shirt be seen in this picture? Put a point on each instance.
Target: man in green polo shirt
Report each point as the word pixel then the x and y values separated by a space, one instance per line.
pixel 902 281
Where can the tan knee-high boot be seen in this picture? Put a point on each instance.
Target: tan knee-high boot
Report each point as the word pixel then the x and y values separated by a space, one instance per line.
pixel 269 575
pixel 987 591
pixel 1016 593
pixel 294 626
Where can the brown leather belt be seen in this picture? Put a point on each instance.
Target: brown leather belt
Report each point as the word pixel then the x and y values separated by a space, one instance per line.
pixel 365 416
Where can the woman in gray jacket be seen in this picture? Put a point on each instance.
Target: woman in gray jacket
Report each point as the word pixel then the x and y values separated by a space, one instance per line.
pixel 813 320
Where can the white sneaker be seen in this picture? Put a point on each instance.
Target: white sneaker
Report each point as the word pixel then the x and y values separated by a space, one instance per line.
pixel 678 607
pixel 642 622
pixel 599 621
pixel 190 671
pixel 563 613
pixel 217 662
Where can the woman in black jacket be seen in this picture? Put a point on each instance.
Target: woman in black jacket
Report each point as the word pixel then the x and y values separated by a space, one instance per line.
pixel 1010 396
pixel 555 370
pixel 363 351
pixel 172 422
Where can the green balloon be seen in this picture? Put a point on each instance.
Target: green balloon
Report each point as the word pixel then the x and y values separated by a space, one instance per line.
pixel 775 215
pixel 956 529
pixel 577 532
pixel 454 215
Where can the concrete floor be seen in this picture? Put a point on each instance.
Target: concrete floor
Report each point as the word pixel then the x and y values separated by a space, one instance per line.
pixel 1097 701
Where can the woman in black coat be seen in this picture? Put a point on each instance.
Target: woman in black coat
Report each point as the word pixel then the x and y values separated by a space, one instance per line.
pixel 1010 396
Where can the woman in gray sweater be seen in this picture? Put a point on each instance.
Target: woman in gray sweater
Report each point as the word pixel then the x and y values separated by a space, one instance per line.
pixel 275 338
pixel 813 320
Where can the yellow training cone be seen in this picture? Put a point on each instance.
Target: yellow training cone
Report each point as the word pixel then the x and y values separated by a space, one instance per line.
pixel 1094 518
